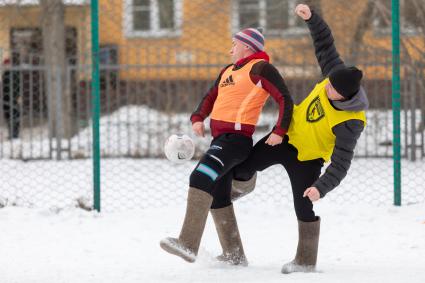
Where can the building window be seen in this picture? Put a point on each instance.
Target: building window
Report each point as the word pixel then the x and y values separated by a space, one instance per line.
pixel 108 57
pixel 152 18
pixel 277 17
pixel 409 17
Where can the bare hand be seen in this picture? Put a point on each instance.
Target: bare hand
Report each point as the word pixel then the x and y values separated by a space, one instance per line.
pixel 303 11
pixel 274 139
pixel 312 193
pixel 199 129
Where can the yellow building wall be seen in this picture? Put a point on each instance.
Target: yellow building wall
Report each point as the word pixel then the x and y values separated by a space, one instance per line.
pixel 206 39
pixel 204 42
pixel 30 16
pixel 198 42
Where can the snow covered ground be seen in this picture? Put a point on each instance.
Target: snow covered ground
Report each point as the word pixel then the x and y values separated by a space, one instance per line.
pixel 44 238
pixel 359 243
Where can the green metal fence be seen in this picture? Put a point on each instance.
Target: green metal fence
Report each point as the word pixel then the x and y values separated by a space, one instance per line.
pixel 395 12
pixel 95 102
pixel 134 70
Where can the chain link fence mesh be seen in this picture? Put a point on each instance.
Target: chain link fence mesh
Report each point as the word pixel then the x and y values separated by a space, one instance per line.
pixel 157 60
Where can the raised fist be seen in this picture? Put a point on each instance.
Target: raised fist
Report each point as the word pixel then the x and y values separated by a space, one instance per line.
pixel 303 11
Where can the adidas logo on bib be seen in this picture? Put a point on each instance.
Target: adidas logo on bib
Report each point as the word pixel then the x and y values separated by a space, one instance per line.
pixel 227 82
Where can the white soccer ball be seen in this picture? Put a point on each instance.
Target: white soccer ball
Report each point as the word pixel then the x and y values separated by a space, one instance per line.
pixel 179 148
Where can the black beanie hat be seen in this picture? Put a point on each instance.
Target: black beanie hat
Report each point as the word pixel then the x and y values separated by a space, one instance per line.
pixel 346 81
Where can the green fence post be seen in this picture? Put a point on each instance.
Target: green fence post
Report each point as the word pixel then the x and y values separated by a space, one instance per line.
pixel 395 11
pixel 95 91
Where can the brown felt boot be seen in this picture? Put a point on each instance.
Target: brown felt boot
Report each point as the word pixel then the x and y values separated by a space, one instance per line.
pixel 308 243
pixel 242 188
pixel 228 234
pixel 187 244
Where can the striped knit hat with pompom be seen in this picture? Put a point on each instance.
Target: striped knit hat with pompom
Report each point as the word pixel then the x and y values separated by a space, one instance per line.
pixel 252 37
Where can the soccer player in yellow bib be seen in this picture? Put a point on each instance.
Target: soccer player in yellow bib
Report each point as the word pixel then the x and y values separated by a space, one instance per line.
pixel 324 127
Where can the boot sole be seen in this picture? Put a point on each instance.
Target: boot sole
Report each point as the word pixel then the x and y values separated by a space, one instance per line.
pixel 293 268
pixel 176 249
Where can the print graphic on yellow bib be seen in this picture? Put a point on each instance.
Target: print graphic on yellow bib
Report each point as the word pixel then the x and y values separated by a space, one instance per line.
pixel 315 111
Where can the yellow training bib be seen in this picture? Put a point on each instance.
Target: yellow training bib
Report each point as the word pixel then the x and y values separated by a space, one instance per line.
pixel 312 122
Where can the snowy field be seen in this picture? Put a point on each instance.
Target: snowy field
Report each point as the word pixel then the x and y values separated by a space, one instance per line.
pixel 46 239
pixel 359 243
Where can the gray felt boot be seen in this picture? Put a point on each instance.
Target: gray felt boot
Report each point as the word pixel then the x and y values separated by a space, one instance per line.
pixel 308 244
pixel 187 244
pixel 228 234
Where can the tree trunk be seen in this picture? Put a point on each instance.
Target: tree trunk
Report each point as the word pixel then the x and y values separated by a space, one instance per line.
pixel 363 24
pixel 53 29
pixel 420 10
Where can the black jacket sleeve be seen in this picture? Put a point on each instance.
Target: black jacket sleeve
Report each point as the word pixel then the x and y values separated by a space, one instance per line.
pixel 275 85
pixel 324 46
pixel 347 134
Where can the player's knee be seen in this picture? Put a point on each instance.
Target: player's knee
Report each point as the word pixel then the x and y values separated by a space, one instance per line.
pixel 195 179
pixel 203 177
pixel 242 174
pixel 221 202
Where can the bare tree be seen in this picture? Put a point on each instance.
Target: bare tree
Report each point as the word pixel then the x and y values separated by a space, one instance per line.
pixel 363 24
pixel 415 12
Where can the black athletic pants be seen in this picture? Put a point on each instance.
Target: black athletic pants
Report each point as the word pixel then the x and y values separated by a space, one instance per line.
pixel 214 172
pixel 302 174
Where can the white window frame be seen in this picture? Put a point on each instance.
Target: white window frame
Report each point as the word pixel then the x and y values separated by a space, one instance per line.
pixel 291 31
pixel 405 28
pixel 155 31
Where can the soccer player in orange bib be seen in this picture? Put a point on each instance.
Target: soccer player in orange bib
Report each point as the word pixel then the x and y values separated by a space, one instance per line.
pixel 234 104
